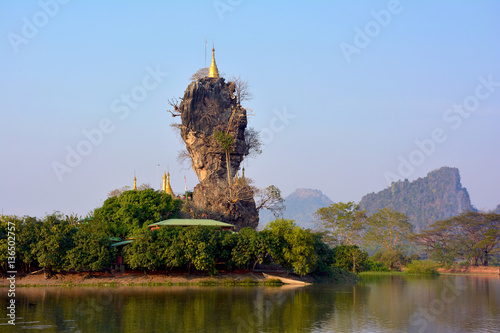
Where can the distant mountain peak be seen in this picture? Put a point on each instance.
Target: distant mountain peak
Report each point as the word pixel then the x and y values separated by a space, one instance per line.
pixel 300 205
pixel 437 196
pixel 307 192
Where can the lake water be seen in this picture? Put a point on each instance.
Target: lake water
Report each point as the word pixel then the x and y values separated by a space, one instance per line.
pixel 376 304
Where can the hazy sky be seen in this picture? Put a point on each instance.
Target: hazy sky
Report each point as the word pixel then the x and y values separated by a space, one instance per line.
pixel 349 95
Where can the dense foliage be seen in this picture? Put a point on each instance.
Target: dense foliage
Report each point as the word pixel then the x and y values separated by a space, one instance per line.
pixel 471 236
pixel 422 267
pixel 388 230
pixel 61 243
pixel 351 258
pixel 341 223
pixel 123 215
pixel 202 248
pixel 57 243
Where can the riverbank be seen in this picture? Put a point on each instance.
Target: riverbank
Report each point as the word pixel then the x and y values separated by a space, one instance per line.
pixel 133 278
pixel 179 278
pixel 471 270
pixel 466 270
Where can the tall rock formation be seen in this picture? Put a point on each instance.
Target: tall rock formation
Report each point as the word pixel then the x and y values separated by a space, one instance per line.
pixel 437 196
pixel 213 129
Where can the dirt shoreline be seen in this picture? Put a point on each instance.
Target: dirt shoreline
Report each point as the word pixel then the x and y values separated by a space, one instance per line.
pixel 139 278
pixel 471 270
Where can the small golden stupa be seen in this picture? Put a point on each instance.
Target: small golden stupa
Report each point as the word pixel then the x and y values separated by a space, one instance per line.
pixel 166 184
pixel 213 72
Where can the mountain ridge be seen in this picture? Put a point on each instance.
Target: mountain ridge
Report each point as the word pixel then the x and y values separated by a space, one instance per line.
pixel 437 196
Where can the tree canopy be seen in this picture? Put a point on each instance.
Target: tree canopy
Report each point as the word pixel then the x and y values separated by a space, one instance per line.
pixel 341 223
pixel 470 236
pixel 127 213
pixel 388 230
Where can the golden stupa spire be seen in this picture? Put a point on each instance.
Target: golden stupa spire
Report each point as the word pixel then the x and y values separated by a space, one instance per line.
pixel 166 184
pixel 164 187
pixel 213 72
pixel 135 183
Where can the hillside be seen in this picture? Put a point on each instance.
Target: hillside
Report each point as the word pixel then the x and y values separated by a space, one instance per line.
pixel 300 206
pixel 437 196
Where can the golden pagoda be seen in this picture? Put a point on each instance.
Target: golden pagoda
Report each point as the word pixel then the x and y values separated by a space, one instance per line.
pixel 213 72
pixel 135 183
pixel 166 184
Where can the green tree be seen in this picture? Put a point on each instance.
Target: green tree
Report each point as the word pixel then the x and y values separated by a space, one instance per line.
pixel 92 250
pixel 144 252
pixel 227 242
pixel 250 248
pixel 325 255
pixel 24 232
pixel 471 236
pixel 389 230
pixel 122 215
pixel 291 246
pixel 199 245
pixel 393 259
pixel 55 241
pixel 341 223
pixel 171 249
pixel 226 142
pixel 27 236
pixel 350 258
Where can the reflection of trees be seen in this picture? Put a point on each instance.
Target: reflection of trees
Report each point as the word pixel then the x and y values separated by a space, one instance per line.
pixel 375 304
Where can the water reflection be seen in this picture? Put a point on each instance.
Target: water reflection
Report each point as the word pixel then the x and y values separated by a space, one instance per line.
pixel 376 304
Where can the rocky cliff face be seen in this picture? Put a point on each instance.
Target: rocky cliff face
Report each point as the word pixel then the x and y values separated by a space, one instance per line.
pixel 209 107
pixel 437 196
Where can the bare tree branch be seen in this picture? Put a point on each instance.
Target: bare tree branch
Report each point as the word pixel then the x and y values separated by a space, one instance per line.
pixel 253 143
pixel 174 102
pixel 200 73
pixel 242 89
pixel 184 159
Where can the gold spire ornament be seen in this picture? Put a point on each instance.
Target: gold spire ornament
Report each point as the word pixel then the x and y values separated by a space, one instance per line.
pixel 213 72
pixel 135 183
pixel 166 184
pixel 164 187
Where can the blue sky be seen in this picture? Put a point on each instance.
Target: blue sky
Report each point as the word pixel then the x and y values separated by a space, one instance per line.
pixel 348 95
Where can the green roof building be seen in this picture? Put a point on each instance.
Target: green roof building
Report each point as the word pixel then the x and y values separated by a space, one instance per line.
pixel 191 223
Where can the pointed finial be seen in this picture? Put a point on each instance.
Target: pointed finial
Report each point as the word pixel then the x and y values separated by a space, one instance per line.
pixel 164 187
pixel 135 182
pixel 168 188
pixel 213 72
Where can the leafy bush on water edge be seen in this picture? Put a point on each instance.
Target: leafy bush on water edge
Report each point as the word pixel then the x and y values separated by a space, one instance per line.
pixel 422 267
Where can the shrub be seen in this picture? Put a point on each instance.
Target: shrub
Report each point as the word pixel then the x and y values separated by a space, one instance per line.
pixel 375 266
pixel 422 267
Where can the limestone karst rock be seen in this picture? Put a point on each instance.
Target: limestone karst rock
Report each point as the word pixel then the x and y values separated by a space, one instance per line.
pixel 208 107
pixel 438 196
